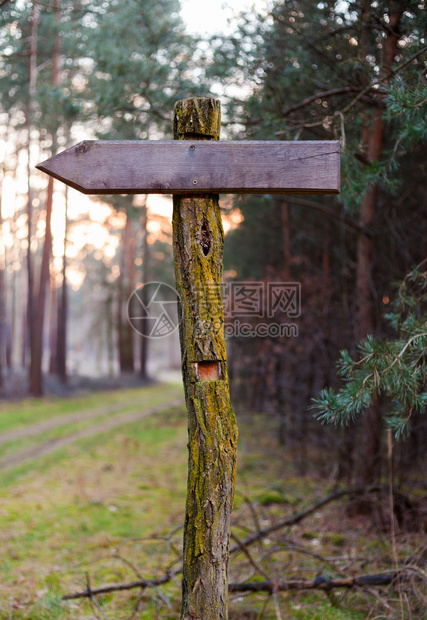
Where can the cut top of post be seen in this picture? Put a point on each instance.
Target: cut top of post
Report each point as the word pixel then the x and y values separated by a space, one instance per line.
pixel 197 118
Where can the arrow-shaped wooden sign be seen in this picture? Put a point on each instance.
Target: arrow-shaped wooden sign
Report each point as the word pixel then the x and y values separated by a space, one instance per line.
pixel 186 167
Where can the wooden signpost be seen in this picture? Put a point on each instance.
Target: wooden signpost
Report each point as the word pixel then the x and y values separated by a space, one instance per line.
pixel 195 169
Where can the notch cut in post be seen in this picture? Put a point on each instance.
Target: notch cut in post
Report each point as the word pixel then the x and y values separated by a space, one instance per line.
pixel 207 371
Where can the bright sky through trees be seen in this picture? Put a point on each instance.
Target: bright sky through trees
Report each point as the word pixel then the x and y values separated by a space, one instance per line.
pixel 202 18
pixel 212 17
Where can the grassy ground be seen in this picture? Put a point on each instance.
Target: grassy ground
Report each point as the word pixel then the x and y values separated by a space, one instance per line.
pixel 108 509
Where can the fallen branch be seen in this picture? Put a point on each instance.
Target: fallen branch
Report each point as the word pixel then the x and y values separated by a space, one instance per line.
pixel 288 521
pixel 141 583
pixel 318 583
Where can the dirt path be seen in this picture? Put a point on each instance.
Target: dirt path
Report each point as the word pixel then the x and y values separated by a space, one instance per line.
pixel 46 447
pixel 63 420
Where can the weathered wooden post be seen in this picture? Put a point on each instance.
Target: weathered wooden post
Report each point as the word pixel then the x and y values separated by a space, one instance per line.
pixel 195 168
pixel 198 241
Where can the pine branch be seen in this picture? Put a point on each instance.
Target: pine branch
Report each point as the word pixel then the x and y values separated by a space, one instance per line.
pixel 372 87
pixel 384 78
pixel 385 367
pixel 323 95
pixel 404 349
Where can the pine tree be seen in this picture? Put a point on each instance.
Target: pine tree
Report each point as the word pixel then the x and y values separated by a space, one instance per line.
pixel 393 368
pixel 356 72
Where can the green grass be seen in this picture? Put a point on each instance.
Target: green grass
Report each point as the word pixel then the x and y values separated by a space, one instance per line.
pixel 120 485
pixel 30 411
pixel 26 443
pixel 107 503
pixel 142 399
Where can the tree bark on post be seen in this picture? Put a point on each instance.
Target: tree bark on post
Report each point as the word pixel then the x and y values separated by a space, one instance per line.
pixel 198 241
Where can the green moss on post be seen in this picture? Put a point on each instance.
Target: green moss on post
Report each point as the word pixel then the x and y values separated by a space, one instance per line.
pixel 198 240
pixel 197 116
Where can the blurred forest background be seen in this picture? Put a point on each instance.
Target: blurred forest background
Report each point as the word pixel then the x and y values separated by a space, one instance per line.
pixel 353 71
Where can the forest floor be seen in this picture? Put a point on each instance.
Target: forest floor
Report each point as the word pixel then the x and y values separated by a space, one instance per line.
pixel 92 492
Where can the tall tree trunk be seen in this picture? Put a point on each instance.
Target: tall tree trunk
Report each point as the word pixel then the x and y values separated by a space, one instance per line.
pixel 36 380
pixel 423 248
pixel 10 352
pixel 125 288
pixel 373 140
pixel 32 81
pixel 286 235
pixel 283 367
pixel 24 336
pixel 61 335
pixel 36 377
pixel 130 281
pixel 110 331
pixel 14 307
pixel 119 320
pixel 145 278
pixel 198 240
pixel 2 295
pixel 53 325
